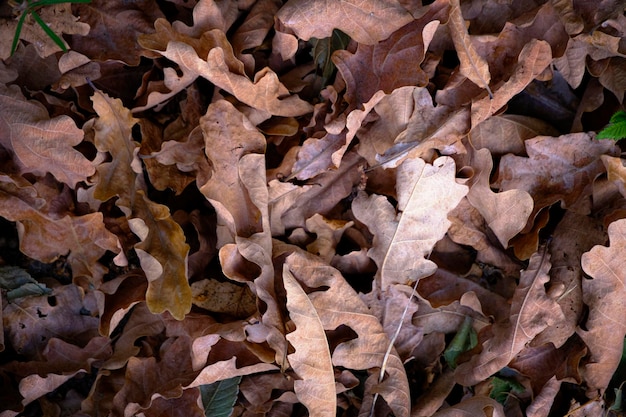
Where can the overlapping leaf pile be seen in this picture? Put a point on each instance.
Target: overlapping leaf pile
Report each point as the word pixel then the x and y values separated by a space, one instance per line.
pixel 230 206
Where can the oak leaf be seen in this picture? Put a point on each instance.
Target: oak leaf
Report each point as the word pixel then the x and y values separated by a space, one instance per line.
pixel 549 177
pixel 392 63
pixel 473 66
pixel 41 144
pixel 506 213
pixel 532 310
pixel 533 59
pixel 363 352
pixel 115 26
pixel 604 329
pixel 366 22
pixel 315 386
pixel 265 92
pixel 426 193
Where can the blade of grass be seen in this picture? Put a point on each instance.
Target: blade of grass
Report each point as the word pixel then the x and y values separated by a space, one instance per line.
pixel 49 31
pixel 18 30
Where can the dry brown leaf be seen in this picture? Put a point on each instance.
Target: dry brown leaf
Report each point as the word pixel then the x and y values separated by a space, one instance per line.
pixel 228 137
pixel 474 407
pixel 366 22
pixel 368 349
pixel 616 171
pixel 549 177
pixel 532 310
pixel 604 329
pixel 46 236
pixel 265 93
pixel 533 60
pixel 115 26
pixel 473 66
pixel 41 144
pixel 31 322
pixel 315 385
pixel 426 193
pixel 505 213
pixel 163 256
pixel 574 235
pixel 254 30
pixel 392 63
pixel 506 133
pixel 223 297
pixel 430 127
pixel 318 155
pixel 328 234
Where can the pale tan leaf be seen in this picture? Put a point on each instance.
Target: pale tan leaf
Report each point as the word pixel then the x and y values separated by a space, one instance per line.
pixel 604 294
pixel 366 22
pixel 473 66
pixel 315 386
pixel 265 93
pixel 616 171
pixel 531 312
pixel 506 213
pixel 337 304
pixel 426 193
pixel 533 59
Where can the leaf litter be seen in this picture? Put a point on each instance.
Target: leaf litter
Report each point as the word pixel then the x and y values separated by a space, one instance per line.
pixel 313 208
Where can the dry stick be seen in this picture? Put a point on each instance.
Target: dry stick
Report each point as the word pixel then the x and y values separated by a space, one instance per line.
pixel 391 343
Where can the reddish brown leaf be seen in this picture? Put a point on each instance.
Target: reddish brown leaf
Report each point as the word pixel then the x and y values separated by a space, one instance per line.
pixel 41 144
pixel 366 22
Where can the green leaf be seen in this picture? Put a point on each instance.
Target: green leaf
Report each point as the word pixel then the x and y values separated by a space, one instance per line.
pixel 464 340
pixel 19 283
pixel 502 387
pixel 616 129
pixel 323 50
pixel 219 397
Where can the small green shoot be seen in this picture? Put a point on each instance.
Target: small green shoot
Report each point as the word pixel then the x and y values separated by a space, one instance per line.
pixel 502 387
pixel 26 8
pixel 616 128
pixel 464 340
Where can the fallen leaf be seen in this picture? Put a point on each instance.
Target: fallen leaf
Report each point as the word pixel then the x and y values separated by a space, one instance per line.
pixel 473 66
pixel 426 193
pixel 41 144
pixel 566 177
pixel 531 312
pixel 391 63
pixel 368 349
pixel 506 213
pixel 533 59
pixel 265 93
pixel 603 331
pixel 366 22
pixel 315 386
